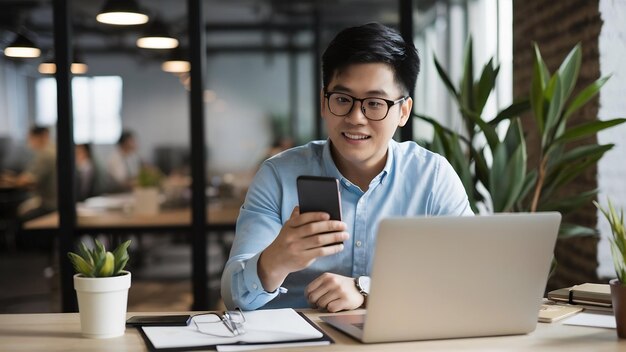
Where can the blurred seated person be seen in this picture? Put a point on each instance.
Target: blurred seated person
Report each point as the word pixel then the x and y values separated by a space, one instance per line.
pixel 40 176
pixel 89 174
pixel 124 163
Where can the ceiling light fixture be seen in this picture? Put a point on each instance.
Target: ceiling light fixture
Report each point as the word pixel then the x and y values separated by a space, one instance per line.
pixel 48 67
pixel 157 37
pixel 22 47
pixel 122 13
pixel 177 62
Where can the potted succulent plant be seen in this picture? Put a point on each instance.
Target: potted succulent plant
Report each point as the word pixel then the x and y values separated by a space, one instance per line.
pixel 618 251
pixel 146 194
pixel 101 285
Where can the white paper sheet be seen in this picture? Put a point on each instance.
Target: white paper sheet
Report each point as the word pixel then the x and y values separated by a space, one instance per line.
pixel 598 320
pixel 237 348
pixel 271 325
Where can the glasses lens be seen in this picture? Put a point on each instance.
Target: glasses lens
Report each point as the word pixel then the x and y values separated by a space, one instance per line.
pixel 211 324
pixel 207 318
pixel 236 317
pixel 340 104
pixel 375 109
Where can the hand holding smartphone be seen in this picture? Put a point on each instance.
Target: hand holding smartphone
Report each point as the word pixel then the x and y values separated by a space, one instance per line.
pixel 320 194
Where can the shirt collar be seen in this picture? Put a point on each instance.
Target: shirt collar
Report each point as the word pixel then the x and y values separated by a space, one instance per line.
pixel 329 163
pixel 388 165
pixel 333 171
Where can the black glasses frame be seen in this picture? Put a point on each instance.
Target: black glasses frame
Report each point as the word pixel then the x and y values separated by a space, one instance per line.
pixel 390 103
pixel 236 327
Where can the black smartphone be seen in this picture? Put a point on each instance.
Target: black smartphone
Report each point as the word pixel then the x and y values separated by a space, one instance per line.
pixel 316 193
pixel 159 320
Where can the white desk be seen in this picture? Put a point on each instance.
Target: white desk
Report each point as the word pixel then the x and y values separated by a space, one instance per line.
pixel 61 332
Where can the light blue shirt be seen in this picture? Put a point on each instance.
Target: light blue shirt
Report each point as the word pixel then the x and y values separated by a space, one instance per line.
pixel 413 182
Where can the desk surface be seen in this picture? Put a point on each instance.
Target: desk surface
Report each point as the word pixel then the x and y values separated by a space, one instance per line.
pixel 223 213
pixel 61 332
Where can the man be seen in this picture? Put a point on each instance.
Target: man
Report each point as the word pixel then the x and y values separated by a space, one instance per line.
pixel 40 176
pixel 124 163
pixel 281 258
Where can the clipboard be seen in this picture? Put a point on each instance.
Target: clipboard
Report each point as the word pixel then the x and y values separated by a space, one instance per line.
pixel 323 340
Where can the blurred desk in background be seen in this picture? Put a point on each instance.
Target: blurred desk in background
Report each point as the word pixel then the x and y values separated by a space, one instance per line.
pixel 221 218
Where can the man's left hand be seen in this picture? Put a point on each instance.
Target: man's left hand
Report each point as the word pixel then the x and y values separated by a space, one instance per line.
pixel 334 293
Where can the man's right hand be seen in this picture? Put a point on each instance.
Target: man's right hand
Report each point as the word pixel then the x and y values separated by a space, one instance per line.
pixel 303 238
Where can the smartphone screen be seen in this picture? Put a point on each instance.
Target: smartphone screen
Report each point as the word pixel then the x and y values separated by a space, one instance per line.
pixel 316 193
pixel 159 320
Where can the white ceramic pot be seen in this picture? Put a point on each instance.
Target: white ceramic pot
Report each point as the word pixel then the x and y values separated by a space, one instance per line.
pixel 102 304
pixel 146 200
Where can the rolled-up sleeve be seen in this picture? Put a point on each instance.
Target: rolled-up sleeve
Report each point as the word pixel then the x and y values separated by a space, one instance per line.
pixel 258 225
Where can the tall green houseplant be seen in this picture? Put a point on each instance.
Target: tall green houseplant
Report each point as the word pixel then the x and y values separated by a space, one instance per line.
pixel 508 183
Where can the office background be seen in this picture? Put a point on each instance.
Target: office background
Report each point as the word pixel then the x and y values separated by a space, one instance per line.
pixel 260 73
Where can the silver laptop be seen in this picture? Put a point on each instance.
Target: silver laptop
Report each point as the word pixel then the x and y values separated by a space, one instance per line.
pixel 453 277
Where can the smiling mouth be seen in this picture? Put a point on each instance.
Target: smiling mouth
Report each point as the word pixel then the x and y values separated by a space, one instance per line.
pixel 356 137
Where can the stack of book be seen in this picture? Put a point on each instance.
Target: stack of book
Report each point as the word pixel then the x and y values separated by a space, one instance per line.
pixel 568 301
pixel 588 296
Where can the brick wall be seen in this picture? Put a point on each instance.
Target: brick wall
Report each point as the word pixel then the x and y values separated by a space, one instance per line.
pixel 557 26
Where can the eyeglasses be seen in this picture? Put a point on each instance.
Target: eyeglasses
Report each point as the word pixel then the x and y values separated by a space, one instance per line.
pixel 375 109
pixel 228 324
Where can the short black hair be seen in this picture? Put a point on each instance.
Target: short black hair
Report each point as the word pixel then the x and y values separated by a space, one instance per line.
pixel 126 135
pixel 372 43
pixel 38 130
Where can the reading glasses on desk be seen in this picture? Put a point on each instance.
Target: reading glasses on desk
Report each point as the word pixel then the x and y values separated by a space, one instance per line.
pixel 228 324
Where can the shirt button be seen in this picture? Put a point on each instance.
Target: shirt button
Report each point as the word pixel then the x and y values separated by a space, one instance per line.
pixel 358 243
pixel 255 286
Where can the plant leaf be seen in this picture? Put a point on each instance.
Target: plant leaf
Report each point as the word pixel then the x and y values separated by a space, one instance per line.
pixel 97 268
pixel 461 166
pixel 490 132
pixel 572 230
pixel 100 251
pixel 566 175
pixel 485 85
pixel 587 129
pixel 121 257
pixel 85 253
pixel 529 183
pixel 506 179
pixel 80 265
pixel 514 136
pixel 585 151
pixel 436 124
pixel 513 110
pixel 107 267
pixel 584 96
pixel 467 83
pixel 569 70
pixel 446 79
pixel 554 95
pixel 539 83
pixel 570 203
pixel 480 165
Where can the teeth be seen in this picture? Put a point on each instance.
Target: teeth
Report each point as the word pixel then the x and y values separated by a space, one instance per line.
pixel 355 136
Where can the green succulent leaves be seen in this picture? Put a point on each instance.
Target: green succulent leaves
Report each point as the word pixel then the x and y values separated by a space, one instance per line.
pixel 618 242
pixel 98 262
